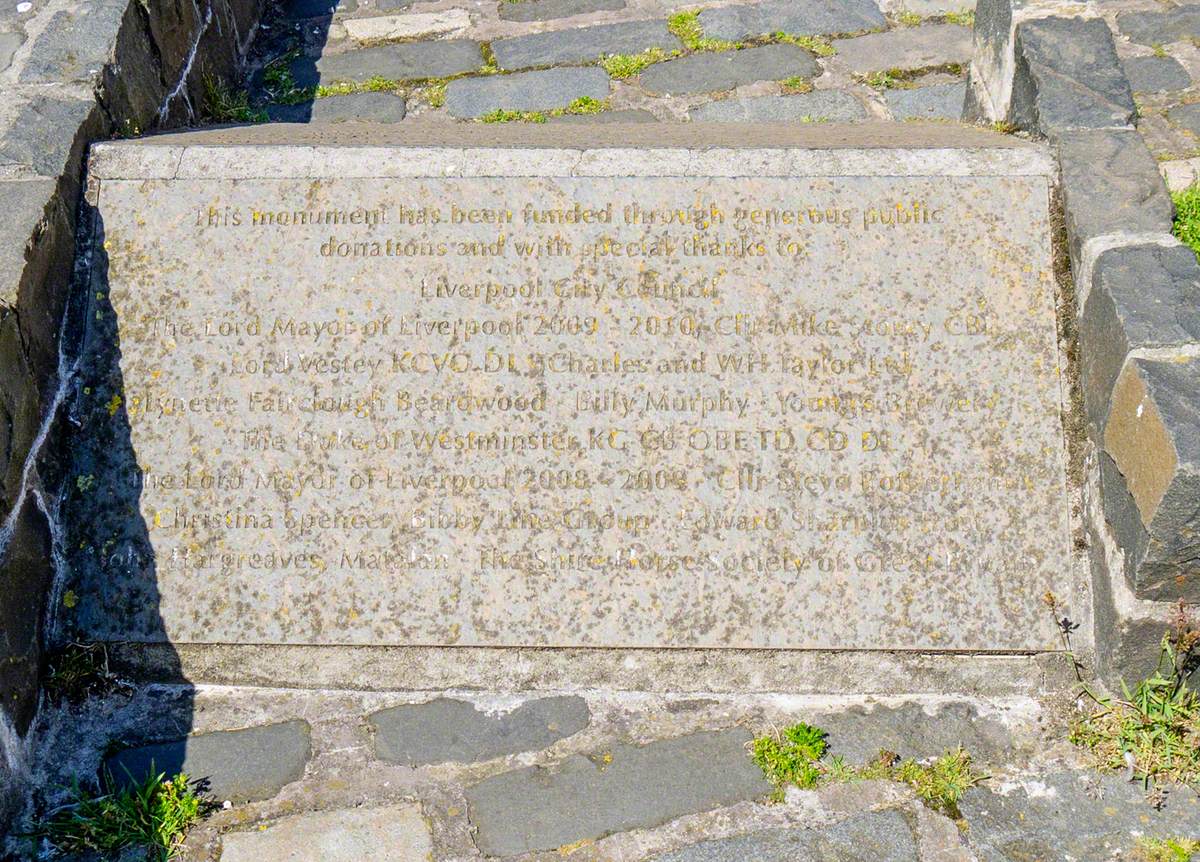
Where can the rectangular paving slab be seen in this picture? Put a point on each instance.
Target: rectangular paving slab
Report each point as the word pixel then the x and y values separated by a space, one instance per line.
pixel 404 61
pixel 614 789
pixel 583 43
pixel 238 765
pixel 453 730
pixel 525 91
pixel 797 17
pixel 394 833
pixel 740 387
pixel 874 836
pixel 709 72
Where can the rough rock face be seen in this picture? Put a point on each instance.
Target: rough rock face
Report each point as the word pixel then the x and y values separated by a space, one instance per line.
pixel 70 73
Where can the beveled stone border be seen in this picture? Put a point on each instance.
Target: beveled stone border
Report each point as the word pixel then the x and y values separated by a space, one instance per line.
pixel 1137 290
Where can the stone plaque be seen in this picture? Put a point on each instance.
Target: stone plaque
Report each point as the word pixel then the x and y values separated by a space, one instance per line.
pixel 711 393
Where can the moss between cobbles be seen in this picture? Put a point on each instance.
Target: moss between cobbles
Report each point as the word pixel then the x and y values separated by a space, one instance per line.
pixel 906 79
pixel 582 105
pixel 1166 849
pixel 623 66
pixel 796 754
pixel 912 19
pixel 1187 216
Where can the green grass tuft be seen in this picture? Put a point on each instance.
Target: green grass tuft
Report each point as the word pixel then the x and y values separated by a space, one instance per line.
pixel 155 813
pixel 686 26
pixel 1166 849
pixel 908 19
pixel 627 65
pixel 962 19
pixel 78 672
pixel 1187 216
pixel 1153 733
pixel 222 105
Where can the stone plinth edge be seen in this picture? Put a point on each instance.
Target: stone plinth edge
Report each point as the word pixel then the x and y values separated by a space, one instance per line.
pixel 1051 69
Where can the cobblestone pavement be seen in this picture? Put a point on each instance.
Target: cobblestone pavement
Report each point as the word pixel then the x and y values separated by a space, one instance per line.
pixel 637 61
pixel 632 60
pixel 604 777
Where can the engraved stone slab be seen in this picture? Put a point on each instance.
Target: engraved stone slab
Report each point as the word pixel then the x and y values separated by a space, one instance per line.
pixel 748 387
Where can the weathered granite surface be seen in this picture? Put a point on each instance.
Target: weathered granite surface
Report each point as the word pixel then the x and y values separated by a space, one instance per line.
pixel 588 438
pixel 618 788
pixel 236 765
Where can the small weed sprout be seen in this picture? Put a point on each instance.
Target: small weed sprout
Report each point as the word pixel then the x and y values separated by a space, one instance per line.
pixel 1166 849
pixel 154 813
pixel 790 756
pixel 1187 216
pixel 908 19
pixel 962 19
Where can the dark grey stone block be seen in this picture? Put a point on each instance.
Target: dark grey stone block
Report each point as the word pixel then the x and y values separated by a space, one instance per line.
pixel 46 135
pixel 364 107
pixel 1110 183
pixel 1174 24
pixel 1143 296
pixel 580 44
pixel 9 43
pixel 446 730
pixel 706 72
pixel 1074 815
pixel 548 10
pixel 240 765
pixel 1127 638
pixel 633 115
pixel 819 106
pixel 858 734
pixel 1153 438
pixel 798 17
pixel 908 48
pixel 1156 74
pixel 936 102
pixel 877 836
pixel 1067 76
pixel 399 62
pixel 24 204
pixel 624 787
pixel 75 44
pixel 1187 117
pixel 525 91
